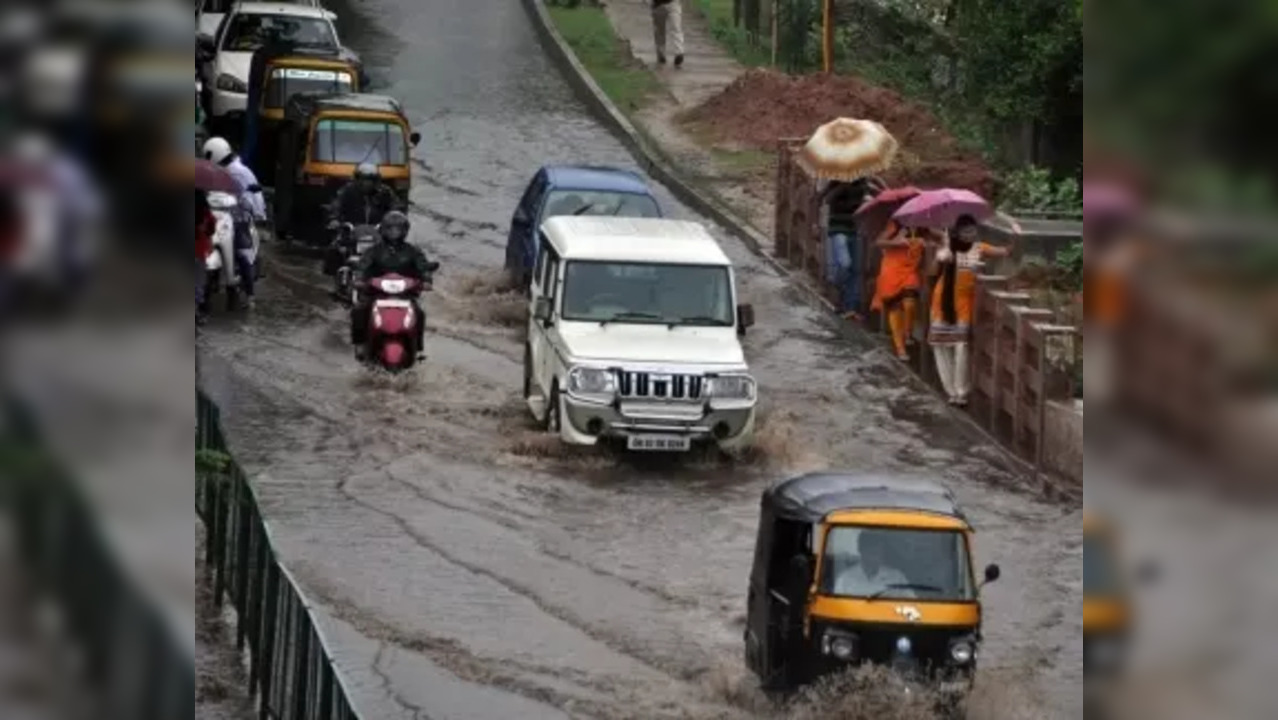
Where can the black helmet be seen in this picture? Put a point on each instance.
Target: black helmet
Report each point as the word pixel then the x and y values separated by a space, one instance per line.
pixel 367 171
pixel 394 226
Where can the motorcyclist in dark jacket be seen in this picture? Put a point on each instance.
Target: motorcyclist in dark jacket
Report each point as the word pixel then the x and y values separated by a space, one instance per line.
pixel 394 254
pixel 365 200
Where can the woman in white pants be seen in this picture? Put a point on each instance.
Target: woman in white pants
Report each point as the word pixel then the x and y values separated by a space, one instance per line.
pixel 953 296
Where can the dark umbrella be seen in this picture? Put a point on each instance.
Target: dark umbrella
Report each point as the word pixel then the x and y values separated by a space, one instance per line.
pixel 211 177
pixel 873 216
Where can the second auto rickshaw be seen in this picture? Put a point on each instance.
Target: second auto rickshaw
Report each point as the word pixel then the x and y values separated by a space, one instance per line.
pixel 854 568
pixel 278 73
pixel 323 139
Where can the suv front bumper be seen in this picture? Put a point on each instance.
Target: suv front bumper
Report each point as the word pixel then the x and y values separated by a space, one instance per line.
pixel 729 424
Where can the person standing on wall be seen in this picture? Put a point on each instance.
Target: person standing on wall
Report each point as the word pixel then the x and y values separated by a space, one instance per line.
pixel 667 20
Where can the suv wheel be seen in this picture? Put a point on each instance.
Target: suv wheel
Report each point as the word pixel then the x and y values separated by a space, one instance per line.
pixel 553 422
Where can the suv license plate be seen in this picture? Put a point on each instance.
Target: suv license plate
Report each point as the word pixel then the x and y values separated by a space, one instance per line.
pixel 659 443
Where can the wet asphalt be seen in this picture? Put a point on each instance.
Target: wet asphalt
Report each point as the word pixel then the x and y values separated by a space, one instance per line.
pixel 467 567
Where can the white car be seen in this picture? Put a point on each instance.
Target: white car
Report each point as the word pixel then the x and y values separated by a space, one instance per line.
pixel 634 333
pixel 211 12
pixel 245 29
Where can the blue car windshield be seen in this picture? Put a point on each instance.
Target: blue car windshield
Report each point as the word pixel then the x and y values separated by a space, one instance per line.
pixel 600 202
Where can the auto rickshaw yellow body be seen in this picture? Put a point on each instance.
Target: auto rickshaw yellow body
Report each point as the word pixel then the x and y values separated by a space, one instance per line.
pixel 324 139
pixel 853 569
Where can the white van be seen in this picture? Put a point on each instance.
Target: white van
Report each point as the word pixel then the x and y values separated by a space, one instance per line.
pixel 633 333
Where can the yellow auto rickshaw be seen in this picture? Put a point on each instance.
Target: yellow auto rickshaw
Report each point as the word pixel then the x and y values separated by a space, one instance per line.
pixel 1106 605
pixel 864 568
pixel 322 140
pixel 278 72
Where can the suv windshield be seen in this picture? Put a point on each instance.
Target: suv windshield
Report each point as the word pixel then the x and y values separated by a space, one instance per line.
pixel 247 33
pixel 890 563
pixel 607 203
pixel 648 293
pixel 359 141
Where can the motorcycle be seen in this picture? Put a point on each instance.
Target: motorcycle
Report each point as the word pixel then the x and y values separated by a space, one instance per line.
pixel 392 334
pixel 221 271
pixel 343 258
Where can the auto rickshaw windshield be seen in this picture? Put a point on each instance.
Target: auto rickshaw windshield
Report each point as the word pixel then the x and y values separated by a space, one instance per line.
pixel 901 563
pixel 285 82
pixel 1099 577
pixel 379 142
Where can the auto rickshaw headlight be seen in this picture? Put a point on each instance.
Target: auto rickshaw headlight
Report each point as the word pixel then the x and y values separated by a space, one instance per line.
pixel 962 652
pixel 840 646
pixel 903 645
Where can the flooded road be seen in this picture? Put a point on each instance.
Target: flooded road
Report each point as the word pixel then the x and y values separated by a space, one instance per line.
pixel 466 566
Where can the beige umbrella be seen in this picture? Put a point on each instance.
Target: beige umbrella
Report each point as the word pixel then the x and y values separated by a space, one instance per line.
pixel 846 150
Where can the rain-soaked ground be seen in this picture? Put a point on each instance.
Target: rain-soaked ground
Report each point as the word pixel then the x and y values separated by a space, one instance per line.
pixel 468 568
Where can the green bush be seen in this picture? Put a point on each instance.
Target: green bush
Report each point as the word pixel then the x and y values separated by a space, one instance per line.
pixel 1032 188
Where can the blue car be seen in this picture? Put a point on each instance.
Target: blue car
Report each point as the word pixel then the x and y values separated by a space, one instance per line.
pixel 572 190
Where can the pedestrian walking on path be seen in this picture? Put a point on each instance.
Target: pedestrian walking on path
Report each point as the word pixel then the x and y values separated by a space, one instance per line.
pixel 667 21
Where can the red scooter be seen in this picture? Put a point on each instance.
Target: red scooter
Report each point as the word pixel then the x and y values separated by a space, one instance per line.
pixel 392 329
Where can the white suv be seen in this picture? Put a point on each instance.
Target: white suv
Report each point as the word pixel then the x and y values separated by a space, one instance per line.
pixel 633 333
pixel 244 29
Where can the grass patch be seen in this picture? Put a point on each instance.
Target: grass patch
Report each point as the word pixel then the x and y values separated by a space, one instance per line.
pixel 718 15
pixel 590 35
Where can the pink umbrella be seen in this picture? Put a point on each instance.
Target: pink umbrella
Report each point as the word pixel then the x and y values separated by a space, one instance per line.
pixel 1102 199
pixel 942 208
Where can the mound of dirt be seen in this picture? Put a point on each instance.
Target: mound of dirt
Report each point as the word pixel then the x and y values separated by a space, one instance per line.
pixel 762 106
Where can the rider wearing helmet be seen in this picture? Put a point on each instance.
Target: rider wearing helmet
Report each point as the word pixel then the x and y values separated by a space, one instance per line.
pixel 250 209
pixel 394 254
pixel 365 200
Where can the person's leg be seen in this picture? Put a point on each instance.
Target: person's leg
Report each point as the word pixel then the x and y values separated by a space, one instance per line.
pixel 659 15
pixel 910 313
pixel 962 375
pixel 244 268
pixel 359 326
pixel 896 324
pixel 676 30
pixel 944 355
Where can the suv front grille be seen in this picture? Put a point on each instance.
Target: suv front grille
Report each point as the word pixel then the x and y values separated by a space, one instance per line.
pixel 659 386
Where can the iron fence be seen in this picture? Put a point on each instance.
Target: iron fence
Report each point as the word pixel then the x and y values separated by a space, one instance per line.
pixel 291 670
pixel 134 665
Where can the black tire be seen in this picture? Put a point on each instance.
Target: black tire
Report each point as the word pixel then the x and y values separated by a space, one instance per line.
pixel 553 422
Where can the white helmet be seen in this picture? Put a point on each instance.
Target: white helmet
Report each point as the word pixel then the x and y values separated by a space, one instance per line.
pixel 217 150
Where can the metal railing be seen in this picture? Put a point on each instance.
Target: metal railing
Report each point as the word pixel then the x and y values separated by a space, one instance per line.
pixel 134 665
pixel 291 670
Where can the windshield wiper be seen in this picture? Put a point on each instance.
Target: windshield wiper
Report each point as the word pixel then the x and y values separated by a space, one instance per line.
pixel 905 586
pixel 583 209
pixel 697 320
pixel 629 316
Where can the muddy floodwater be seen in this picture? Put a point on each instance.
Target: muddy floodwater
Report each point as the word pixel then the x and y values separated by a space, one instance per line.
pixel 464 565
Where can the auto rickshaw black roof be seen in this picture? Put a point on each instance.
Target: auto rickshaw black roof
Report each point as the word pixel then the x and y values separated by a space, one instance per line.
pixel 305 105
pixel 811 497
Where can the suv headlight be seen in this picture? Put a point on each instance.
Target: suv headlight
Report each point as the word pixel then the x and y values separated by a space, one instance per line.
pixel 732 387
pixel 230 83
pixel 591 381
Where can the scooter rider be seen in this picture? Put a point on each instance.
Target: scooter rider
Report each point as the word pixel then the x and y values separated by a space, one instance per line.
pixel 251 203
pixel 363 201
pixel 394 254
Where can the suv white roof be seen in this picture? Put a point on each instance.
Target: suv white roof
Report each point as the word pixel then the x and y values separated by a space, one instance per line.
pixel 652 240
pixel 277 8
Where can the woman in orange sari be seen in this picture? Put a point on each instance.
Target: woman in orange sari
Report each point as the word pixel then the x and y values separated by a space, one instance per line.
pixel 952 299
pixel 896 291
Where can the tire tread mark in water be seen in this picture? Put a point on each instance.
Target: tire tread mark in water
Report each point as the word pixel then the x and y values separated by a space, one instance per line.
pixel 469 667
pixel 608 639
pixel 428 174
pixel 419 712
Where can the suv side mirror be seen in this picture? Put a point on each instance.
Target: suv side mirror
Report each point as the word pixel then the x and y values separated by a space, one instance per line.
pixel 414 138
pixel 541 309
pixel 745 317
pixel 992 573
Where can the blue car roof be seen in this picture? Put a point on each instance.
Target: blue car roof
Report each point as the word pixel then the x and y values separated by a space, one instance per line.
pixel 588 177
